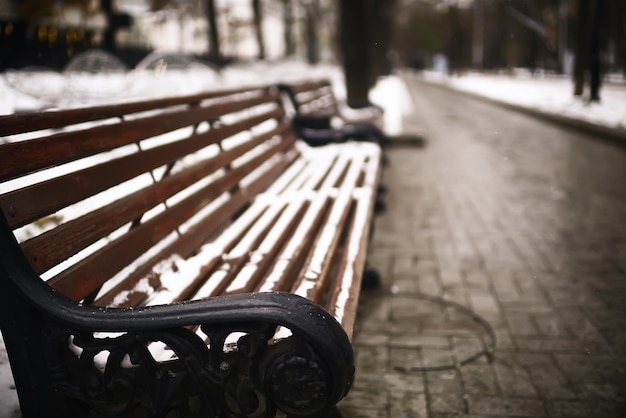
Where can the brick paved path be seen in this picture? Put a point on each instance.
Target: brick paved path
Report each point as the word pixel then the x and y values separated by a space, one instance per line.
pixel 520 221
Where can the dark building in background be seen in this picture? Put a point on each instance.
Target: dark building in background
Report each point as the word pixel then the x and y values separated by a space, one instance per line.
pixel 33 33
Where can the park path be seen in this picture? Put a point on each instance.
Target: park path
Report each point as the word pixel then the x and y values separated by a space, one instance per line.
pixel 502 226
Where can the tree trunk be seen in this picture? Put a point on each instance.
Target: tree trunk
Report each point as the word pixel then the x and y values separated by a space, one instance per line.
pixel 582 47
pixel 312 16
pixel 595 57
pixel 290 46
pixel 381 21
pixel 214 40
pixel 455 46
pixel 108 38
pixel 258 27
pixel 355 37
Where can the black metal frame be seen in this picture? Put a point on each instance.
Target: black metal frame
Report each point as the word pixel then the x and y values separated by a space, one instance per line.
pixel 52 341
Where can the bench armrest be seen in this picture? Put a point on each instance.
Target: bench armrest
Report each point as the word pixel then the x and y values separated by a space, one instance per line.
pixel 317 358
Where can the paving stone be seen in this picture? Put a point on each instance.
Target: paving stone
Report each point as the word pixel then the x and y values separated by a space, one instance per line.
pixel 595 377
pixel 373 359
pixel 479 379
pixel 405 358
pixel 419 341
pixel 504 341
pixel 484 302
pixel 374 308
pixel 348 411
pixel 582 326
pixel 446 402
pixel 387 327
pixel 396 382
pixel 551 325
pixel 513 379
pixel 408 405
pixel 367 393
pixel 547 345
pixel 436 357
pixel 586 409
pixel 409 284
pixel 368 339
pixel 521 324
pixel 461 415
pixel 489 405
pixel 545 376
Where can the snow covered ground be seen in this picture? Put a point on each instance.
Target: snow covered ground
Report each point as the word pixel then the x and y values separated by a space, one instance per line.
pixel 548 94
pixel 37 90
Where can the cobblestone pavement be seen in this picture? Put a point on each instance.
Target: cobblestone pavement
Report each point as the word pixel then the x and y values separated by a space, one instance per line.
pixel 521 222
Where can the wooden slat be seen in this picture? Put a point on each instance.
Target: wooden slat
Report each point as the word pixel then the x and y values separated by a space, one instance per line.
pixel 314 276
pixel 312 85
pixel 344 295
pixel 321 96
pixel 52 247
pixel 238 256
pixel 35 121
pixel 25 157
pixel 192 240
pixel 327 170
pixel 36 201
pixel 89 274
pixel 289 263
pixel 260 258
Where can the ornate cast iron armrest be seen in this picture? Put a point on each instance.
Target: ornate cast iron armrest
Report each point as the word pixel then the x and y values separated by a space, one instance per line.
pixel 305 374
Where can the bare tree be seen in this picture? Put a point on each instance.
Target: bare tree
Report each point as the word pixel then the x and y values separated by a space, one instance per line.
pixel 354 41
pixel 214 39
pixel 288 22
pixel 590 19
pixel 312 20
pixel 381 27
pixel 258 26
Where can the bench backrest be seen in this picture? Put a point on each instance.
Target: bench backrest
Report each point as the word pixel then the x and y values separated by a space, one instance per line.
pixel 313 97
pixel 97 197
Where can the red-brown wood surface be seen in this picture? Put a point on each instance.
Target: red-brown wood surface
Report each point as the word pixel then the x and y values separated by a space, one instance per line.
pixel 231 174
pixel 35 121
pixel 24 157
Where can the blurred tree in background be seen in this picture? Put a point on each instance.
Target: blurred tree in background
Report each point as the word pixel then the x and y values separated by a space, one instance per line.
pixel 364 28
pixel 581 38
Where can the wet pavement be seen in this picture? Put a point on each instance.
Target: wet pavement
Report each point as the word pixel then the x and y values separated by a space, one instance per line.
pixel 503 256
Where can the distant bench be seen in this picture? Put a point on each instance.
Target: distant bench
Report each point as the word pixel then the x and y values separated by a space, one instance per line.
pixel 320 118
pixel 317 98
pixel 197 259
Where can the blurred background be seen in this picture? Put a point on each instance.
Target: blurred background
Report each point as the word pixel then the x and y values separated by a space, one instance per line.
pixel 580 38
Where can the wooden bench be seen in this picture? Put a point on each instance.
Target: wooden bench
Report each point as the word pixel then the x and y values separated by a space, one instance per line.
pixel 316 100
pixel 182 257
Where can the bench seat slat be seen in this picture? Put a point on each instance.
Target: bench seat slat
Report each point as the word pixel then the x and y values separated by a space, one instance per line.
pixel 258 259
pixel 209 258
pixel 314 275
pixel 345 291
pixel 310 85
pixel 289 263
pixel 262 244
